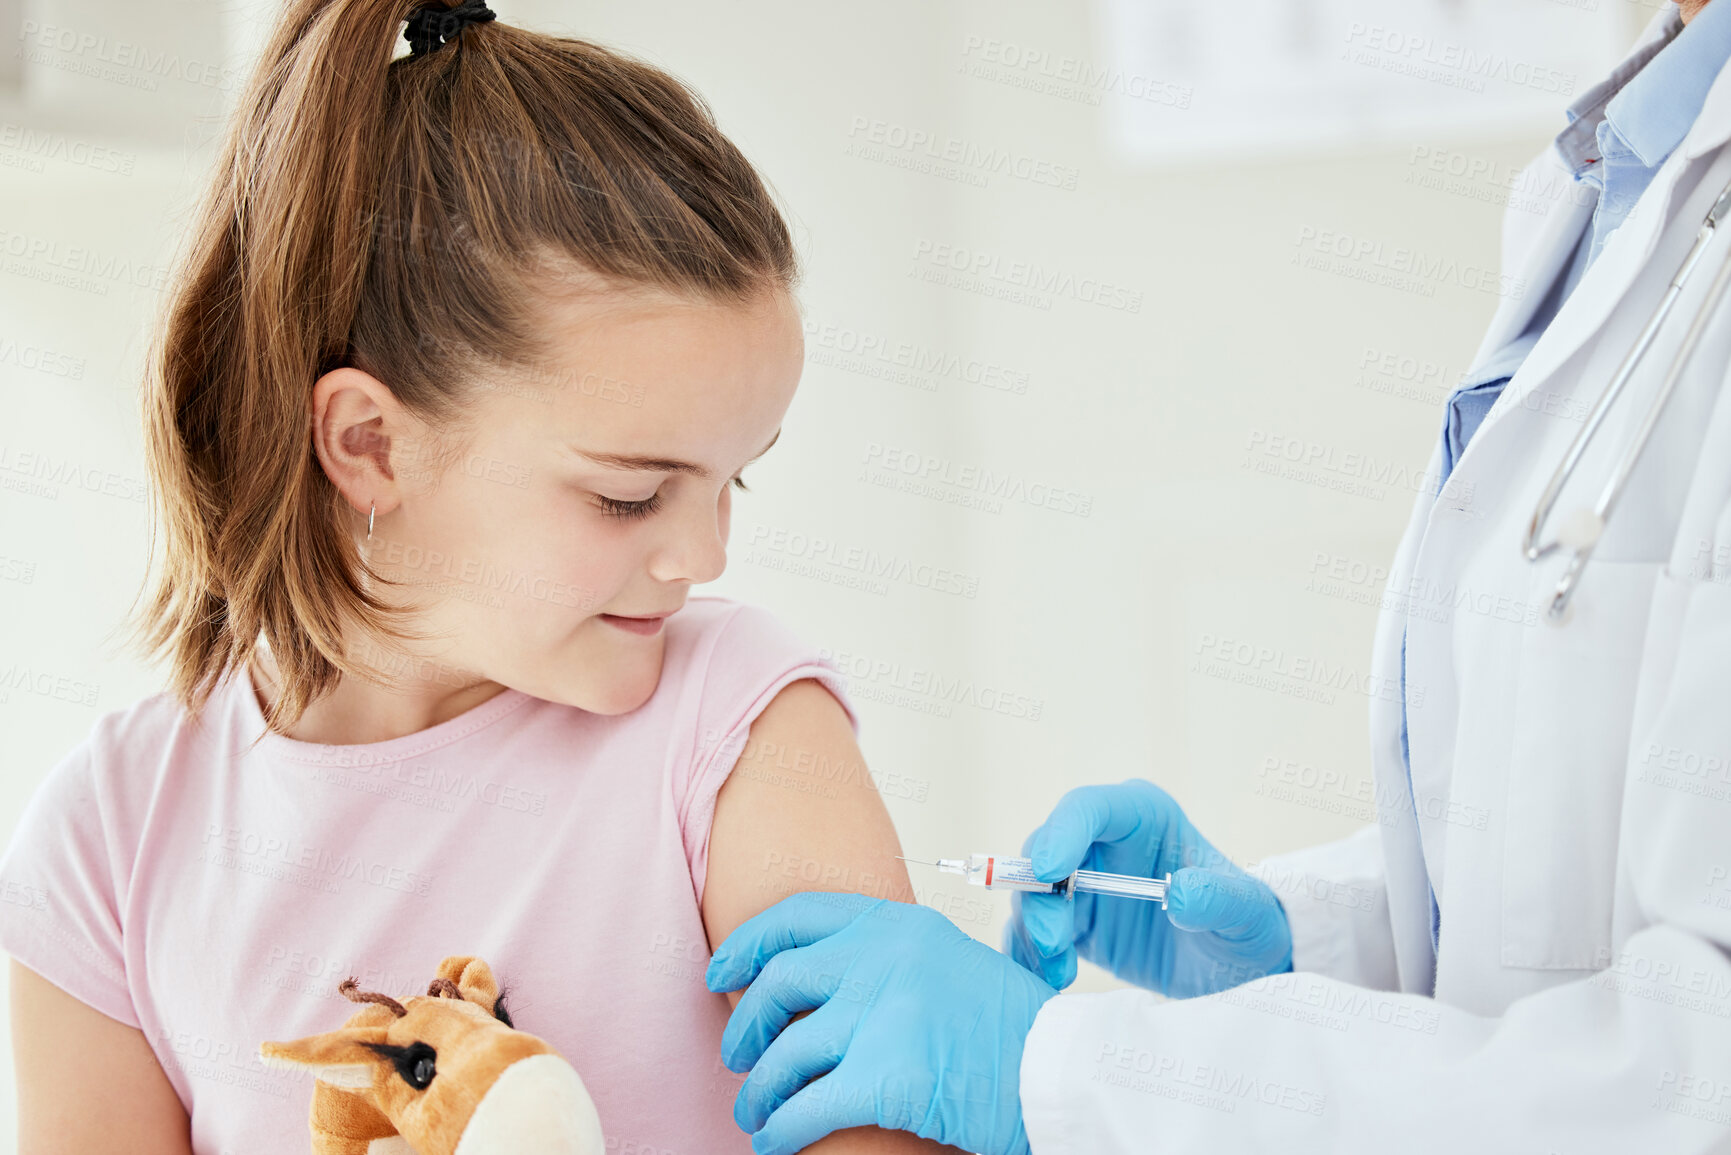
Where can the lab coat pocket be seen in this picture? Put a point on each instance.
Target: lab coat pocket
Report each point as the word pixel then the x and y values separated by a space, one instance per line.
pixel 1568 759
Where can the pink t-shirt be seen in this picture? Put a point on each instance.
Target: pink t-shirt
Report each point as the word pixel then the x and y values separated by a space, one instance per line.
pixel 214 897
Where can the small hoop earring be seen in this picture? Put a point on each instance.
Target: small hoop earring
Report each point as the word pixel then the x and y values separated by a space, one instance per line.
pixel 370 511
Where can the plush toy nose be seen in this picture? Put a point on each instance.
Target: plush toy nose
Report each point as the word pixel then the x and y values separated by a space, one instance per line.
pixel 537 1106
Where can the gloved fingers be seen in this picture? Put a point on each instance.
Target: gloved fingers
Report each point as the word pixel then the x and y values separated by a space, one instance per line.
pixel 1235 907
pixel 798 980
pixel 1089 815
pixel 796 921
pixel 1051 922
pixel 837 1100
pixel 808 1049
pixel 1057 970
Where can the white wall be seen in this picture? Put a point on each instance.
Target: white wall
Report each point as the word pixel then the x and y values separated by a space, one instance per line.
pixel 1094 622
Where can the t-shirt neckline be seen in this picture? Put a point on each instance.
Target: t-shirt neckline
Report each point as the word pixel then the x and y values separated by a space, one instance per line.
pixel 392 749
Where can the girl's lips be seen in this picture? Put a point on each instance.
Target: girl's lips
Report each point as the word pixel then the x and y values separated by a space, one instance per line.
pixel 644 626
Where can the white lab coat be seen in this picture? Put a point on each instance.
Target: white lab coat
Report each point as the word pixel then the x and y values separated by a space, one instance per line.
pixel 1574 790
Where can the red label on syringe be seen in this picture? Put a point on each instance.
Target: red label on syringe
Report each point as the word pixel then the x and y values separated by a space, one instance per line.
pixel 995 873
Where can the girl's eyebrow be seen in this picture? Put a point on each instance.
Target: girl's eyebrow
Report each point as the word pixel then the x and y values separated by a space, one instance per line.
pixel 659 464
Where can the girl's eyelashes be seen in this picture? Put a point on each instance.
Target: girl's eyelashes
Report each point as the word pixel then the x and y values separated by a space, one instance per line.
pixel 631 510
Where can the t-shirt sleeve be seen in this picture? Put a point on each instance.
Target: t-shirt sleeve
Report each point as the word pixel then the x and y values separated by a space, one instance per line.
pixel 752 656
pixel 60 891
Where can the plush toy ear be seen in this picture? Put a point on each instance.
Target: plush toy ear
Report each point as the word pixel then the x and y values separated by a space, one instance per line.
pixel 473 977
pixel 337 1057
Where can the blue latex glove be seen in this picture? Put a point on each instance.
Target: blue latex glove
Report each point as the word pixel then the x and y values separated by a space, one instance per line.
pixel 914 1026
pixel 1220 927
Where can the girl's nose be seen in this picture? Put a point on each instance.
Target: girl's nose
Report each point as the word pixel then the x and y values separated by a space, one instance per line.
pixel 695 549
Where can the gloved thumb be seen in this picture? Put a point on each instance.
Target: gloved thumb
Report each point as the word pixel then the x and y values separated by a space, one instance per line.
pixel 1232 906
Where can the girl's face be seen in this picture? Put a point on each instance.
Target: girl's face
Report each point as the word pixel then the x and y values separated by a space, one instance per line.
pixel 593 492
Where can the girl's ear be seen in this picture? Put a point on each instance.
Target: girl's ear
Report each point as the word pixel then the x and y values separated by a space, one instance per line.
pixel 473 977
pixel 337 1057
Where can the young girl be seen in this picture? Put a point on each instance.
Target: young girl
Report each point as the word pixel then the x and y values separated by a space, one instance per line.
pixel 469 351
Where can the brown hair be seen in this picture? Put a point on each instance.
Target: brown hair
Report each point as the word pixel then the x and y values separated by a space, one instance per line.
pixel 405 217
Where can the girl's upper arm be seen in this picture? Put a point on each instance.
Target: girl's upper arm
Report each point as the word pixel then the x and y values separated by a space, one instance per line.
pixel 86 1082
pixel 799 812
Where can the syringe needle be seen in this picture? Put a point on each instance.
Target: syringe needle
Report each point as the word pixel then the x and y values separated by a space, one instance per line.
pixel 921 861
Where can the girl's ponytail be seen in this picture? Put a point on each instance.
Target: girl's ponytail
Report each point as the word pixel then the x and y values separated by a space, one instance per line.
pixel 406 217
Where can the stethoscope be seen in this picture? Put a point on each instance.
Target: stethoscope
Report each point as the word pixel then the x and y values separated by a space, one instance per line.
pixel 1583 528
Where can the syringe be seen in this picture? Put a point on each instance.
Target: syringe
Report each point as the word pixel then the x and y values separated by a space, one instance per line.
pixel 995 872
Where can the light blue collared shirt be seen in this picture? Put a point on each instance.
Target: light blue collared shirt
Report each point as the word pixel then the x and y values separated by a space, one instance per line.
pixel 1643 122
pixel 1620 132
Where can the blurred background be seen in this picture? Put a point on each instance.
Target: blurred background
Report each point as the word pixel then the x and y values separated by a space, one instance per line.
pixel 1128 328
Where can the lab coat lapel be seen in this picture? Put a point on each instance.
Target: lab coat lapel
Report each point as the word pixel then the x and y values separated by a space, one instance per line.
pixel 1546 258
pixel 1624 256
pixel 1543 256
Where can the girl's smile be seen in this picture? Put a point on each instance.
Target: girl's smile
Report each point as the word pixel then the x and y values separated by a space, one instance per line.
pixel 647 626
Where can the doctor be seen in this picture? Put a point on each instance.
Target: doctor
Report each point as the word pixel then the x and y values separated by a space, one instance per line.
pixel 1531 949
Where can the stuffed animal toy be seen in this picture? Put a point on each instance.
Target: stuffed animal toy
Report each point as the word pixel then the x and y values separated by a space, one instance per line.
pixel 444 1074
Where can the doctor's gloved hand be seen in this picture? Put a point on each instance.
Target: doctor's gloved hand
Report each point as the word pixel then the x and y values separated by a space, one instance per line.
pixel 915 1026
pixel 1220 927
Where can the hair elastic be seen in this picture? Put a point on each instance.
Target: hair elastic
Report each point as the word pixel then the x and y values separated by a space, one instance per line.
pixel 433 26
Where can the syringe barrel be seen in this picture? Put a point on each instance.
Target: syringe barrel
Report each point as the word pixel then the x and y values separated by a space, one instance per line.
pixel 1122 885
pixel 997 872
